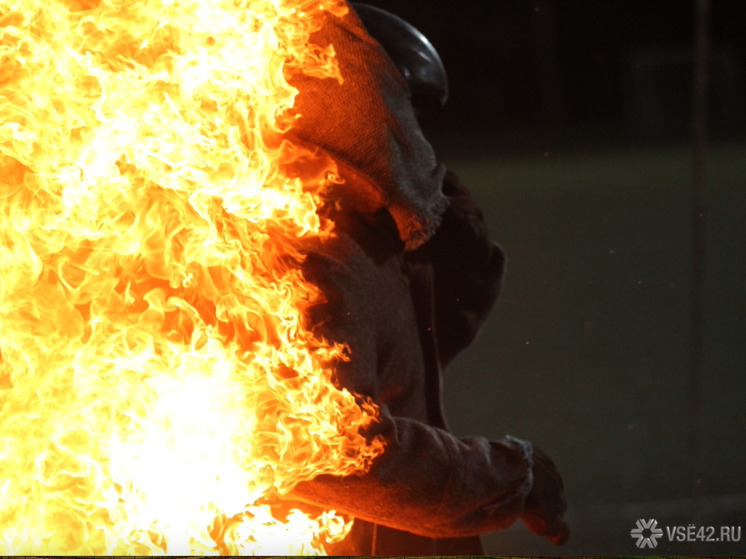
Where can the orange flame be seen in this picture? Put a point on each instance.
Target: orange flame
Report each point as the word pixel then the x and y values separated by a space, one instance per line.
pixel 158 388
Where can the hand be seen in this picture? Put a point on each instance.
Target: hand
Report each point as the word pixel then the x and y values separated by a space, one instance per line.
pixel 545 504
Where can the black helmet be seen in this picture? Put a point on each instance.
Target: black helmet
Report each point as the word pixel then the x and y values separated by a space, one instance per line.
pixel 410 51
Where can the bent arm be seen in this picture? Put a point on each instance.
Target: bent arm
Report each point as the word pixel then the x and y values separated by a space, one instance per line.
pixel 432 484
pixel 427 481
pixel 468 271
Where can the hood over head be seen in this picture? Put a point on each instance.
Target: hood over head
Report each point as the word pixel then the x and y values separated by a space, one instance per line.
pixel 368 126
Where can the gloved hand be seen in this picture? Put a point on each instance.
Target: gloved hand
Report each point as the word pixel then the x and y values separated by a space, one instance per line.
pixel 545 505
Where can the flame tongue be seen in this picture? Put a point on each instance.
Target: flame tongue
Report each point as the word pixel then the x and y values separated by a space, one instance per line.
pixel 158 389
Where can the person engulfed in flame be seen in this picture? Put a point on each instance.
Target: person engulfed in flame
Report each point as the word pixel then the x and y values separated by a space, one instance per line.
pixel 409 277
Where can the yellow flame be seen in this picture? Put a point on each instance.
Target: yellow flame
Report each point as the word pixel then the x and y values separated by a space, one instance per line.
pixel 158 389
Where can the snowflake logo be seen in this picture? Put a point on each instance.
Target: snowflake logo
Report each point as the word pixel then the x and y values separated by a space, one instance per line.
pixel 643 540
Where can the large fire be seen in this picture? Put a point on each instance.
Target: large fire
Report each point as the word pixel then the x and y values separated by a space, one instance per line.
pixel 159 392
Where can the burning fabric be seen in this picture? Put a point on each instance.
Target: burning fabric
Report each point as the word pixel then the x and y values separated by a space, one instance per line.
pixel 220 229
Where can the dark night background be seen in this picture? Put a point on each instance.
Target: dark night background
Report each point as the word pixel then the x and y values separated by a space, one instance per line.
pixel 571 121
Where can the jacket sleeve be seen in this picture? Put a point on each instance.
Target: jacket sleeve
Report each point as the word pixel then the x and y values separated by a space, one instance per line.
pixel 468 270
pixel 432 484
pixel 426 481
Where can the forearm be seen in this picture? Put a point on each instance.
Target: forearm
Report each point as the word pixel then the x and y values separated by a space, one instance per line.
pixel 432 484
pixel 468 269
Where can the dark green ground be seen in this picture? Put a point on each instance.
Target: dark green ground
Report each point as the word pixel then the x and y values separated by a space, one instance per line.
pixel 587 352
